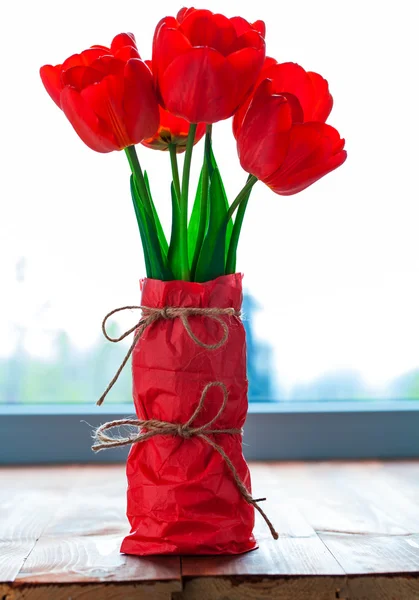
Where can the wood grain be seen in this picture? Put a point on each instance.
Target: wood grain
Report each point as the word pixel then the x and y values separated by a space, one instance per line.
pixel 404 475
pixel 384 587
pixel 97 591
pixel 298 551
pixel 93 558
pixel 262 588
pixel 28 500
pixel 387 500
pixel 81 542
pixel 364 554
pixel 331 499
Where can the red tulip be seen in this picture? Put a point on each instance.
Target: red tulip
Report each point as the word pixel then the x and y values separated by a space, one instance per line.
pixel 107 94
pixel 205 64
pixel 280 150
pixel 310 89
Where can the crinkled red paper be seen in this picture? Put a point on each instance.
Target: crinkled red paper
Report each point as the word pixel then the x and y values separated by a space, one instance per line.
pixel 182 498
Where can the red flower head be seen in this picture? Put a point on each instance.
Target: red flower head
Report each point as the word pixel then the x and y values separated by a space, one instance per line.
pixel 310 90
pixel 172 130
pixel 205 64
pixel 107 94
pixel 276 146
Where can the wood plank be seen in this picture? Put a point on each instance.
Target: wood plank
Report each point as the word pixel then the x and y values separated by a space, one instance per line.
pixel 92 558
pixel 285 556
pixel 29 497
pixel 405 476
pixel 96 505
pixel 374 488
pixel 330 504
pixel 365 554
pixel 364 520
pixel 298 551
pixel 263 588
pixel 81 543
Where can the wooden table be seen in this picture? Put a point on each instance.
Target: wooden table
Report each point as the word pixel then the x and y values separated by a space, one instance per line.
pixel 348 530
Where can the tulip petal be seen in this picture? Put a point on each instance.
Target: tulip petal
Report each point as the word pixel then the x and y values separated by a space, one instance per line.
pixel 168 44
pixel 80 77
pixel 106 100
pixel 85 122
pixel 105 49
pixel 303 180
pixel 314 150
pixel 200 86
pixel 242 110
pixel 127 52
pixel 290 77
pixel 323 101
pixel 269 62
pixel 121 40
pixel 242 26
pixel 260 27
pixel 250 39
pixel 239 115
pixel 262 141
pixel 246 65
pixel 182 14
pixel 203 28
pixel 85 58
pixel 51 78
pixel 140 105
pixel 108 65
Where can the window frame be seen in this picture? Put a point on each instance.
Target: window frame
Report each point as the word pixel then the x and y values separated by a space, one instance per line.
pixel 42 434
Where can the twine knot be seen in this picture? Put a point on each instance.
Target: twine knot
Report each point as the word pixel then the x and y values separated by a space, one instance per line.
pixel 184 432
pixel 152 427
pixel 164 313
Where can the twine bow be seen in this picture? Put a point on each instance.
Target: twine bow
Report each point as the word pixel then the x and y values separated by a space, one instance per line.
pixel 152 427
pixel 150 315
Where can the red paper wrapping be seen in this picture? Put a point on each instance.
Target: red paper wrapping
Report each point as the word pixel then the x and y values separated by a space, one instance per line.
pixel 182 497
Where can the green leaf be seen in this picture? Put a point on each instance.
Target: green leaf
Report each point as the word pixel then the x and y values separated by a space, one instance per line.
pixel 160 232
pixel 232 248
pixel 157 266
pixel 193 226
pixel 174 248
pixel 211 262
pixel 141 227
pixel 212 167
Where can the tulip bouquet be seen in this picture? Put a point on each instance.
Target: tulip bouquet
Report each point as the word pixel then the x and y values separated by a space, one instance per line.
pixel 189 486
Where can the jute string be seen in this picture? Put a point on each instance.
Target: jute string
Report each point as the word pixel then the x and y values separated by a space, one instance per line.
pixel 149 428
pixel 152 427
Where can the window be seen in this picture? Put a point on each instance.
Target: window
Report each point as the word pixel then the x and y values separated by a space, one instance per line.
pixel 331 275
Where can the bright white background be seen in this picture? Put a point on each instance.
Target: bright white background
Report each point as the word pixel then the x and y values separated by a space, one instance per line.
pixel 335 267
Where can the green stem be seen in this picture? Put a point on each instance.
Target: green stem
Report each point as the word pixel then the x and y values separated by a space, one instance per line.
pixel 235 234
pixel 183 221
pixel 175 169
pixel 251 180
pixel 137 172
pixel 204 202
